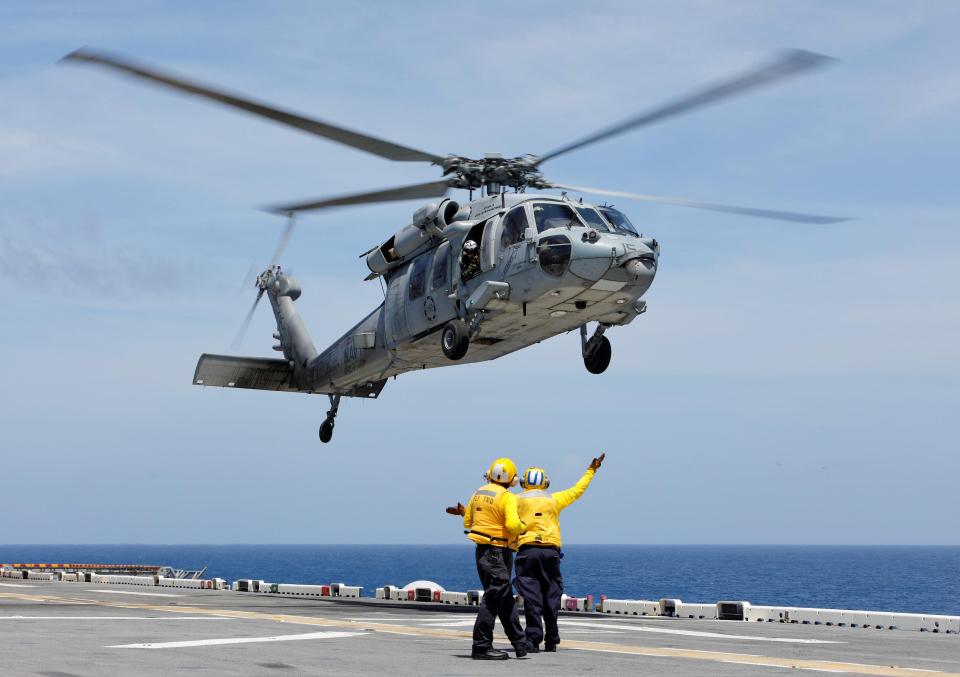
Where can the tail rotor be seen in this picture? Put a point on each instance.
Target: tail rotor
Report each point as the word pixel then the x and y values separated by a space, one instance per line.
pixel 261 280
pixel 242 332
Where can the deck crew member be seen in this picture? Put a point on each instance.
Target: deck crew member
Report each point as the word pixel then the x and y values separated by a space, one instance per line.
pixel 491 521
pixel 539 581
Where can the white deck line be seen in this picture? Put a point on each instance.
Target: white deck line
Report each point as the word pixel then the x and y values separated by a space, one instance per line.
pixel 466 623
pixel 117 618
pixel 695 633
pixel 131 592
pixel 238 640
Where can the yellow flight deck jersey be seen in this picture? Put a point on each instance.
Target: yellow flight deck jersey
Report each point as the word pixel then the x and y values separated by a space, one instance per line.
pixel 540 511
pixel 491 517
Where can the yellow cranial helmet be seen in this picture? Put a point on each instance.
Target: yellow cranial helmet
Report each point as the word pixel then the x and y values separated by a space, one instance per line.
pixel 535 478
pixel 502 471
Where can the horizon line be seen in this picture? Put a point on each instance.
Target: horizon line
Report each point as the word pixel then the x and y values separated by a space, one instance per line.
pixel 467 544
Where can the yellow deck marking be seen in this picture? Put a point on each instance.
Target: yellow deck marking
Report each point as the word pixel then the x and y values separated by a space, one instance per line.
pixel 606 647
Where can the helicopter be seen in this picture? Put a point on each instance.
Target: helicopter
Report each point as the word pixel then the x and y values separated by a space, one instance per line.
pixel 465 282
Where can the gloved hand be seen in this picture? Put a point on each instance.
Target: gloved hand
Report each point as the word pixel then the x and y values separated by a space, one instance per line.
pixel 457 509
pixel 597 462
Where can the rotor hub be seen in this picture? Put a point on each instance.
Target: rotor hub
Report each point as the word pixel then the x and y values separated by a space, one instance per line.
pixel 519 172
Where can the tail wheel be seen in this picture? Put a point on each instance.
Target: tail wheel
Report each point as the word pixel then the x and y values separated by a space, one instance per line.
pixel 326 431
pixel 455 339
pixel 598 361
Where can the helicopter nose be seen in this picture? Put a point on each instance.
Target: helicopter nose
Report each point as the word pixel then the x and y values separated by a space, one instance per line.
pixel 590 261
pixel 594 259
pixel 640 269
pixel 593 255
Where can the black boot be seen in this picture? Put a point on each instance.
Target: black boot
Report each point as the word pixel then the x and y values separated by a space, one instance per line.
pixel 520 648
pixel 490 654
pixel 550 647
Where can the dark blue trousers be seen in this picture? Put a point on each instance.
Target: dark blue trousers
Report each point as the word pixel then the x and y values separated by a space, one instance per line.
pixel 493 567
pixel 540 584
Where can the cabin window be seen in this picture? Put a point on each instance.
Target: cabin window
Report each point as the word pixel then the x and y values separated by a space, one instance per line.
pixel 441 267
pixel 418 278
pixel 554 215
pixel 593 219
pixel 554 254
pixel 619 221
pixel 514 226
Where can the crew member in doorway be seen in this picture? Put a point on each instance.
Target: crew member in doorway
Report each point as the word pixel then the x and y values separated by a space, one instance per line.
pixel 539 581
pixel 491 521
pixel 469 260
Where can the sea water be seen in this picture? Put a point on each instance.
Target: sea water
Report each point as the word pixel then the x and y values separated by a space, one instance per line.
pixel 924 579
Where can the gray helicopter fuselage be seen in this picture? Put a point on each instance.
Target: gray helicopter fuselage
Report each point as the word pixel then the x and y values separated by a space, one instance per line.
pixel 472 284
pixel 525 285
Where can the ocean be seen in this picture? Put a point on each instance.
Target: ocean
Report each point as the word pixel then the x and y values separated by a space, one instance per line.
pixel 923 579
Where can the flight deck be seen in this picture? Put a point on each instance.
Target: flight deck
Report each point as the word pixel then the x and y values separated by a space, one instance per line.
pixel 68 629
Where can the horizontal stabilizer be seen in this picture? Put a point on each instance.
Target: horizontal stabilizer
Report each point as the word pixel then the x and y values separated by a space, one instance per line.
pixel 263 373
pixel 256 373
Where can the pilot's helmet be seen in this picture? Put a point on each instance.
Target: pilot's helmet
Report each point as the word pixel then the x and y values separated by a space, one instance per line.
pixel 469 245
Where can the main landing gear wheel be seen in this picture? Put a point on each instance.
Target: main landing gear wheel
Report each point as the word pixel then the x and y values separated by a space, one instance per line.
pixel 326 428
pixel 326 431
pixel 598 361
pixel 455 339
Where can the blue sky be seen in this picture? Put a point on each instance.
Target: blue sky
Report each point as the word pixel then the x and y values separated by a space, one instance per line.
pixel 789 384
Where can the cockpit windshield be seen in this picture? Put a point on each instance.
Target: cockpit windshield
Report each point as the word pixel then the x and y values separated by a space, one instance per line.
pixel 619 221
pixel 593 219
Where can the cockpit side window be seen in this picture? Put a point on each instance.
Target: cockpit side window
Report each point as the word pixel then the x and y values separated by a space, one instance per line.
pixel 514 225
pixel 554 215
pixel 418 277
pixel 593 219
pixel 619 221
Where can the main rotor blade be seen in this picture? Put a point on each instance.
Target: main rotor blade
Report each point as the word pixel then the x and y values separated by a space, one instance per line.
pixel 413 192
pixel 791 62
pixel 242 332
pixel 364 142
pixel 711 206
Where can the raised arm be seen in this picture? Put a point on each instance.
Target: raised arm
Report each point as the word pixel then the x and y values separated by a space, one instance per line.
pixel 568 496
